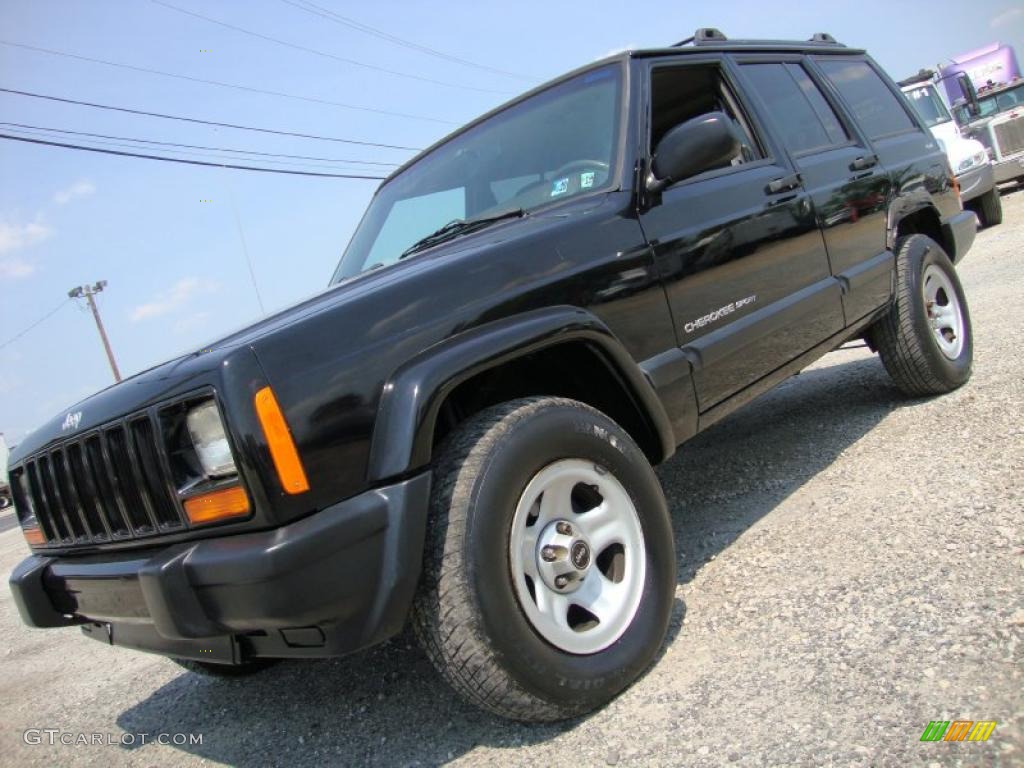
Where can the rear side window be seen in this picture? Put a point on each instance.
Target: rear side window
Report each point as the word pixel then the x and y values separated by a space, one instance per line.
pixel 802 116
pixel 876 108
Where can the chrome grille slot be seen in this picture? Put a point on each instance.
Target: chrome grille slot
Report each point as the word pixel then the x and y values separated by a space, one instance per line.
pixel 106 495
pixel 126 483
pixel 51 501
pixel 89 504
pixel 67 496
pixel 155 484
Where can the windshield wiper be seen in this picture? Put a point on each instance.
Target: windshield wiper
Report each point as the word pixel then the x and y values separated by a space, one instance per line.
pixel 459 227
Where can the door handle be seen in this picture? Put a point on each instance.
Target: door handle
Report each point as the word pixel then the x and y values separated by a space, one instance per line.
pixel 863 163
pixel 783 184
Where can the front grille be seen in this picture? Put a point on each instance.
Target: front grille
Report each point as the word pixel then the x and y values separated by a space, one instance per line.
pixel 1010 136
pixel 111 484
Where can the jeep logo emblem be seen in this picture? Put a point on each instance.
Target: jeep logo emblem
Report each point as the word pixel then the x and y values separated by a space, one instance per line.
pixel 71 421
pixel 580 555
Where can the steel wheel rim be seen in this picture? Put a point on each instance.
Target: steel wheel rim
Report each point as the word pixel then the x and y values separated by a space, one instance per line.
pixel 943 312
pixel 577 556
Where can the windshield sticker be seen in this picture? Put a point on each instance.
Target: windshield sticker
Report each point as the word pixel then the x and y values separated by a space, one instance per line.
pixel 587 180
pixel 560 187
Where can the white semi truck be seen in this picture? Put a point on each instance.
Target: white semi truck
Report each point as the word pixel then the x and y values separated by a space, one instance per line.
pixel 994 113
pixel 967 157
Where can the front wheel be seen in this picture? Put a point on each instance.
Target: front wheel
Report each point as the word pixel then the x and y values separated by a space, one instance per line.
pixel 925 341
pixel 550 567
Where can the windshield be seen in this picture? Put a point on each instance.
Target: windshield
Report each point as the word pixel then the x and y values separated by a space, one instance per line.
pixel 556 145
pixel 928 105
pixel 993 104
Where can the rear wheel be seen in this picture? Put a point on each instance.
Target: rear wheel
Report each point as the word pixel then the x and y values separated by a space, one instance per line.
pixel 925 340
pixel 550 568
pixel 989 208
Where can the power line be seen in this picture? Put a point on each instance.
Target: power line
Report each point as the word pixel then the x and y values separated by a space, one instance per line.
pixel 34 325
pixel 235 86
pixel 337 18
pixel 187 162
pixel 195 146
pixel 325 54
pixel 179 152
pixel 245 247
pixel 199 121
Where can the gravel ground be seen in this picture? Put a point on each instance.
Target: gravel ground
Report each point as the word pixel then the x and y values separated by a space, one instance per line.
pixel 850 568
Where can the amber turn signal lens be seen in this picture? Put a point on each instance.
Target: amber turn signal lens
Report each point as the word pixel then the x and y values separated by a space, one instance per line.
pixel 217 505
pixel 34 536
pixel 279 440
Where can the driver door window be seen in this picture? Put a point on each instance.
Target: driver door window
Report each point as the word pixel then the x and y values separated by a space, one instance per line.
pixel 679 94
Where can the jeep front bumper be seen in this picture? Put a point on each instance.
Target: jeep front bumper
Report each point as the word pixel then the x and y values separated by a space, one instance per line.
pixel 329 584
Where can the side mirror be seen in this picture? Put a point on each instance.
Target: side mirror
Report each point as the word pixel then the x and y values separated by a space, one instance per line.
pixel 971 95
pixel 700 144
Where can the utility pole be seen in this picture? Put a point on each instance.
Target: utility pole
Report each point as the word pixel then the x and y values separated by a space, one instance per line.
pixel 88 291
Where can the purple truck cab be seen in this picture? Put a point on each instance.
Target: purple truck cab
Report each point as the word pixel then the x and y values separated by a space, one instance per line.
pixel 993 65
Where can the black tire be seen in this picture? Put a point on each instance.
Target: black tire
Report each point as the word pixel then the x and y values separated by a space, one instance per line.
pixel 990 208
pixel 466 613
pixel 904 338
pixel 209 669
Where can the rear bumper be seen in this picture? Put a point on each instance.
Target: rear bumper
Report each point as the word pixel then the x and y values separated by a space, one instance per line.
pixel 959 230
pixel 326 585
pixel 976 182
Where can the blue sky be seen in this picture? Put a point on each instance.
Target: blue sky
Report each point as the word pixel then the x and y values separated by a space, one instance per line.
pixel 175 262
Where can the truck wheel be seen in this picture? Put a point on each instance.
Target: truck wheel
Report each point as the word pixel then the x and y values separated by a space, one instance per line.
pixel 990 208
pixel 550 567
pixel 925 340
pixel 209 669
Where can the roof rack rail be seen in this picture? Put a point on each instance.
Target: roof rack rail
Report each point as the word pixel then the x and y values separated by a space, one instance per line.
pixel 703 35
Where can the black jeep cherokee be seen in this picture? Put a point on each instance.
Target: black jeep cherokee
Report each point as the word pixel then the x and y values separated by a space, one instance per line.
pixel 460 430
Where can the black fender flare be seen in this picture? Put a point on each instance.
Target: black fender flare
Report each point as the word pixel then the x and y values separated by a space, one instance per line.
pixel 902 208
pixel 412 396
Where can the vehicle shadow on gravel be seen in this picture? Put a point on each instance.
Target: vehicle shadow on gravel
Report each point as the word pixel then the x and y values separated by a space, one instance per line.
pixel 386 706
pixel 730 476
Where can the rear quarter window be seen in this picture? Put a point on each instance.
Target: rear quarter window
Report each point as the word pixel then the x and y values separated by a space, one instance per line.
pixel 875 107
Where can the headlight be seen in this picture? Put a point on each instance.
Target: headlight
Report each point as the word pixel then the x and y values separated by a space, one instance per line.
pixel 210 440
pixel 978 158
